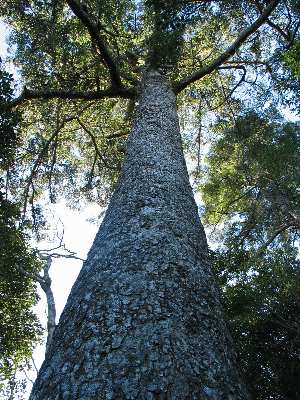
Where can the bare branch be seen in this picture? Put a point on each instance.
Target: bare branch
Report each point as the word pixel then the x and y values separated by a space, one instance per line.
pixel 84 127
pixel 51 315
pixel 41 252
pixel 27 377
pixel 229 52
pixel 59 255
pixel 242 79
pixel 101 46
pixel 45 282
pixel 288 14
pixel 34 364
pixel 277 28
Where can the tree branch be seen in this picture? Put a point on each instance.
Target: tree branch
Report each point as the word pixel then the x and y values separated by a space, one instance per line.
pixel 242 79
pixel 281 229
pixel 31 275
pixel 101 157
pixel 277 28
pixel 51 315
pixel 229 52
pixel 59 126
pixel 29 94
pixel 101 46
pixel 37 163
pixel 293 35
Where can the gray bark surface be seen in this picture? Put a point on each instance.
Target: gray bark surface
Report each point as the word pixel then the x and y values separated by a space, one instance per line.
pixel 144 320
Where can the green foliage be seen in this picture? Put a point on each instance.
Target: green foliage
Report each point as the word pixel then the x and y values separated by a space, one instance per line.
pixel 8 121
pixel 292 59
pixel 169 20
pixel 53 49
pixel 261 299
pixel 74 148
pixel 19 330
pixel 253 175
pixel 252 187
pixel 289 78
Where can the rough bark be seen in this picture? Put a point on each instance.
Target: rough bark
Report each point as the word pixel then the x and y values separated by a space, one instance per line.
pixel 144 320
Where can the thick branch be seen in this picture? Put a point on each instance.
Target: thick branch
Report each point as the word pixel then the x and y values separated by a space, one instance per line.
pixel 281 32
pixel 229 52
pixel 29 94
pixel 101 46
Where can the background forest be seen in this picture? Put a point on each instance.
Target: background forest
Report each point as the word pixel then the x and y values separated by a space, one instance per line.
pixel 63 136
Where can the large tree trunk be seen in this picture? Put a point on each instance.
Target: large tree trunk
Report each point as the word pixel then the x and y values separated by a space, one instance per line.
pixel 143 320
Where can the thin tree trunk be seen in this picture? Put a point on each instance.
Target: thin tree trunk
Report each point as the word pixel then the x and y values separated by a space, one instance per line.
pixel 51 308
pixel 143 320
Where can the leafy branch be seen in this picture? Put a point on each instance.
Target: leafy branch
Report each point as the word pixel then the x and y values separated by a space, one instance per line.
pixel 229 52
pixel 102 48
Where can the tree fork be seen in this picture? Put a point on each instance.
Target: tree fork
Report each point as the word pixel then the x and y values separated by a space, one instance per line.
pixel 144 319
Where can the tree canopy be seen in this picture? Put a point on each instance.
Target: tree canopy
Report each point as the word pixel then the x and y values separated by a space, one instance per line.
pixel 79 63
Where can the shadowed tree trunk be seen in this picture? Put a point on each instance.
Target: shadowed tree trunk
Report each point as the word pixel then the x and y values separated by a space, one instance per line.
pixel 143 320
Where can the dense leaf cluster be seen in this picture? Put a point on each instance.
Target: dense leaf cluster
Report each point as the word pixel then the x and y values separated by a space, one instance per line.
pixel 8 121
pixel 69 146
pixel 19 329
pixel 261 300
pixel 19 326
pixel 252 188
pixel 253 175
pixel 292 59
